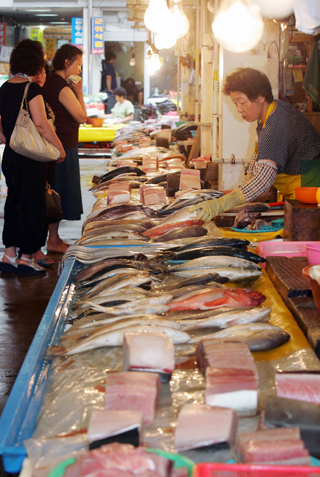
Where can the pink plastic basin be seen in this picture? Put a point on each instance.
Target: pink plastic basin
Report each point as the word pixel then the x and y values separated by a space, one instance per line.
pixel 313 254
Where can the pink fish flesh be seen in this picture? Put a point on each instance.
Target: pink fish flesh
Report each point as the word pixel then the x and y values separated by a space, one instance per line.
pixel 180 218
pixel 133 391
pixel 201 425
pixel 302 386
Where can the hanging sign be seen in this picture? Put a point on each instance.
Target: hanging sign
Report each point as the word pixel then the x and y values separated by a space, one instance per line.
pixel 97 36
pixel 77 31
pixel 36 34
pixel 3 29
pixel 50 48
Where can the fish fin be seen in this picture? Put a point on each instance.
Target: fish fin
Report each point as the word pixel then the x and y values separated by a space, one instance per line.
pixel 54 351
pixel 217 302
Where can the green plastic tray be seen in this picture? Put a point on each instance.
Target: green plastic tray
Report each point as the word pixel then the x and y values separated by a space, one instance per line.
pixel 179 461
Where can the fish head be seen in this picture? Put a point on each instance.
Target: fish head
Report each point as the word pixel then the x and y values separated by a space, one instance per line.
pixel 244 297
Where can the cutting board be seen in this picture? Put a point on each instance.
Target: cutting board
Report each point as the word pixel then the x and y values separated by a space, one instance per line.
pixel 295 290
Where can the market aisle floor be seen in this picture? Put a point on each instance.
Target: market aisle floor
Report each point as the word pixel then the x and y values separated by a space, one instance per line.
pixel 24 300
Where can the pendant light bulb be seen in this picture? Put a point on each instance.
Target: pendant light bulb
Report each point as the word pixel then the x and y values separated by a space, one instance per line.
pixel 180 22
pixel 132 62
pixel 238 25
pixel 274 9
pixel 157 15
pixel 164 40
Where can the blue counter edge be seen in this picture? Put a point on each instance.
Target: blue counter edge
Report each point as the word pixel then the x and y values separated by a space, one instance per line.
pixel 19 415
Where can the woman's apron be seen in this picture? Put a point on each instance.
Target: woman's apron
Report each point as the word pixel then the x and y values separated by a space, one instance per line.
pixel 285 183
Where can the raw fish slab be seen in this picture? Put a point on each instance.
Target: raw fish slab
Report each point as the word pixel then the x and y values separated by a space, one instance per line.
pixel 300 386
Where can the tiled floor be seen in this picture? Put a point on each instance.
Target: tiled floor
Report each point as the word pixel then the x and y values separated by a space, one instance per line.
pixel 24 300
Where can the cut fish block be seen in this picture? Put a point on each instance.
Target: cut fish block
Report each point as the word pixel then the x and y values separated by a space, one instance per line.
pixel 202 426
pixel 286 413
pixel 133 391
pixel 303 386
pixel 152 195
pixel 148 351
pixel 190 179
pixel 233 388
pixel 114 426
pixel 274 447
pixel 224 354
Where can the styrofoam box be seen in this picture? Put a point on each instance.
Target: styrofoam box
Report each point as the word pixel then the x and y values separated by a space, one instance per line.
pixel 283 249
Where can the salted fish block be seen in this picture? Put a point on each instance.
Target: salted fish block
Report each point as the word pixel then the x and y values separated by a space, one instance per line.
pixel 114 426
pixel 224 354
pixel 149 351
pixel 303 386
pixel 190 179
pixel 201 425
pixel 275 452
pixel 133 391
pixel 287 413
pixel 233 388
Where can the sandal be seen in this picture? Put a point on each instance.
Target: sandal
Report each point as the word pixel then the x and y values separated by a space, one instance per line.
pixel 45 262
pixel 11 267
pixel 29 270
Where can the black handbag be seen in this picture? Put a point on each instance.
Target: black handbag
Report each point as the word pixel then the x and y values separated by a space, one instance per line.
pixel 53 206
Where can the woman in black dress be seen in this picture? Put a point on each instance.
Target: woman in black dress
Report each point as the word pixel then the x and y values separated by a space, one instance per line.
pixel 66 100
pixel 25 227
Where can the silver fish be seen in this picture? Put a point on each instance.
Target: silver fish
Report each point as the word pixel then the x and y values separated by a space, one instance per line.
pixel 232 273
pixel 216 261
pixel 115 338
pixel 258 336
pixel 226 320
pixel 119 281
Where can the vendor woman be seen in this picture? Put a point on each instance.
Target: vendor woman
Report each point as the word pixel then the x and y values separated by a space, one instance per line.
pixel 287 152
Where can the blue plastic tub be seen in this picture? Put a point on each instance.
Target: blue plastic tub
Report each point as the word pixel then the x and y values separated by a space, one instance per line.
pixel 19 416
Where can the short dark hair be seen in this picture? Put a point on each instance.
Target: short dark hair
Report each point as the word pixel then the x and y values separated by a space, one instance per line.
pixel 120 91
pixel 66 52
pixel 109 55
pixel 251 82
pixel 27 57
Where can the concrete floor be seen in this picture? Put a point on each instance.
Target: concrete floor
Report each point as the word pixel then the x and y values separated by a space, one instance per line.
pixel 24 300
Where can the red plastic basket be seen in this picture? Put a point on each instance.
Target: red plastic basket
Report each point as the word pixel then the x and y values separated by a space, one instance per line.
pixel 245 470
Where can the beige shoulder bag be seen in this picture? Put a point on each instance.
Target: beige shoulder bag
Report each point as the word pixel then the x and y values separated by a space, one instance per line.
pixel 26 140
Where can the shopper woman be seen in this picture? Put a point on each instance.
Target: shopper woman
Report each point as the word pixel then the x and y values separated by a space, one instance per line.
pixel 66 100
pixel 25 227
pixel 287 152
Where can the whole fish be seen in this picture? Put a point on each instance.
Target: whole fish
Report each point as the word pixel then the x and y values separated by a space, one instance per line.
pixel 181 218
pixel 120 235
pixel 115 338
pixel 180 233
pixel 231 273
pixel 119 281
pixel 216 250
pixel 258 336
pixel 216 298
pixel 197 280
pixel 226 320
pixel 121 170
pixel 212 242
pixel 215 261
pixel 149 308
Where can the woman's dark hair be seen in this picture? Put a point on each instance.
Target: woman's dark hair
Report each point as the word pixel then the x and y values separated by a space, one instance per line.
pixel 27 57
pixel 66 52
pixel 109 55
pixel 252 83
pixel 120 91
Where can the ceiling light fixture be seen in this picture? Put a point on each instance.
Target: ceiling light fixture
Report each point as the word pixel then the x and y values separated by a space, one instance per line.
pixel 132 62
pixel 157 16
pixel 276 9
pixel 164 40
pixel 180 22
pixel 238 25
pixel 46 15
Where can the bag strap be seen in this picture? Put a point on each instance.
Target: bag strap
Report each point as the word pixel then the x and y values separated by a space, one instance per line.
pixel 25 96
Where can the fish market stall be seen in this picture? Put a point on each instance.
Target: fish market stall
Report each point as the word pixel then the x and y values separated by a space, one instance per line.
pixel 146 298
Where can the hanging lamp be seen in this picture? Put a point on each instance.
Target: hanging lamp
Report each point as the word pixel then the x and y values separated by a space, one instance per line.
pixel 276 9
pixel 238 25
pixel 157 16
pixel 180 22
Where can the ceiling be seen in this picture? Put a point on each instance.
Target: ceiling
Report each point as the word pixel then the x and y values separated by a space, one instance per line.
pixel 40 16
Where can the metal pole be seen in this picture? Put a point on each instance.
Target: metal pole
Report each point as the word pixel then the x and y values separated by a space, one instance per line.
pixel 178 86
pixel 197 64
pixel 90 76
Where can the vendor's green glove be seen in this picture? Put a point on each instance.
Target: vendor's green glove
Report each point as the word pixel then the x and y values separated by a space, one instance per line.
pixel 212 208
